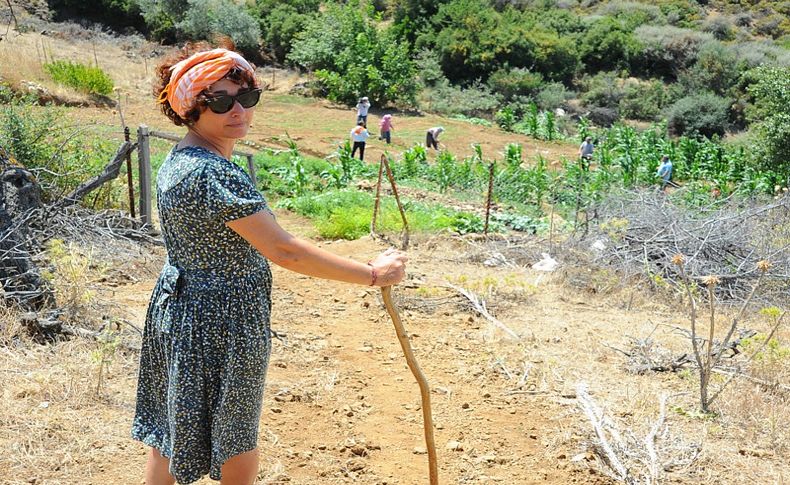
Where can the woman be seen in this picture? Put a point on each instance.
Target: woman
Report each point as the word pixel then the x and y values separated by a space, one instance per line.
pixel 359 135
pixel 207 340
pixel 432 137
pixel 362 110
pixel 385 128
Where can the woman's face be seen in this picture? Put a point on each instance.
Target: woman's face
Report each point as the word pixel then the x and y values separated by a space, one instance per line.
pixel 233 124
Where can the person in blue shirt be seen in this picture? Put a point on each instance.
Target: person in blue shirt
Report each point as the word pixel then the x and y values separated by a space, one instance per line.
pixel 665 171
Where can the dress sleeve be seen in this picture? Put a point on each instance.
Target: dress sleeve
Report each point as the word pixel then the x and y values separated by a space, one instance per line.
pixel 230 194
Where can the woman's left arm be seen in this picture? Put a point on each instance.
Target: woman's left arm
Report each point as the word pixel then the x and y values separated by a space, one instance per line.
pixel 263 232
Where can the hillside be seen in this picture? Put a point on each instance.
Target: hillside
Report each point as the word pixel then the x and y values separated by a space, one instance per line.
pixel 341 406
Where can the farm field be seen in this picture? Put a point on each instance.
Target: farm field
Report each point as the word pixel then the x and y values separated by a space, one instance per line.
pixel 341 407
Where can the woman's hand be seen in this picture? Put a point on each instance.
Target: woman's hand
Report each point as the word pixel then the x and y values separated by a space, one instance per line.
pixel 389 267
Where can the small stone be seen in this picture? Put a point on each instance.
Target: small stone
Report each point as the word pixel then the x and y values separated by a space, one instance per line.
pixel 419 450
pixel 355 464
pixel 454 446
pixel 465 405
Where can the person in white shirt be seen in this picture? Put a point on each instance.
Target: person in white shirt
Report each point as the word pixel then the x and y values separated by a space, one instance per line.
pixel 362 110
pixel 586 152
pixel 359 136
pixel 432 137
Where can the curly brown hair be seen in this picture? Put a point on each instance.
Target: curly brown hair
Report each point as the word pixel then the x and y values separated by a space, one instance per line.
pixel 237 75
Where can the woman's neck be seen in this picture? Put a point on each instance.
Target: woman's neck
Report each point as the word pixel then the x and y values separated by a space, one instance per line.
pixel 222 147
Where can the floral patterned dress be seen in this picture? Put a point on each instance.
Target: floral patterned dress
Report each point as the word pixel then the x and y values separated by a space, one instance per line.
pixel 207 340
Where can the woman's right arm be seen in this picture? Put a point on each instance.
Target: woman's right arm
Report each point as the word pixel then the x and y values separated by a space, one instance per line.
pixel 263 232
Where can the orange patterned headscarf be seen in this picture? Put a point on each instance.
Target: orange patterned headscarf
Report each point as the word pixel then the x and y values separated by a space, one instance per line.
pixel 197 72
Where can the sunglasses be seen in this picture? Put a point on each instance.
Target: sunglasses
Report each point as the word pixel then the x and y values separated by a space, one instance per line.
pixel 224 103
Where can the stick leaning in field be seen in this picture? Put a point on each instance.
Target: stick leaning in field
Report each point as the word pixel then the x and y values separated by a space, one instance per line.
pixel 425 391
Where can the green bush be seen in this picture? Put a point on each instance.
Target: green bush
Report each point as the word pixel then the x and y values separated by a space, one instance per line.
pixel 205 19
pixel 352 58
pixel 607 45
pixel 699 114
pixel 515 82
pixel 281 21
pixel 667 50
pixel 644 100
pixel 475 101
pixel 84 78
pixel 42 141
pixel 770 115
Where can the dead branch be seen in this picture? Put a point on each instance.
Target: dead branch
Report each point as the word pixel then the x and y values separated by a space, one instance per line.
pixel 595 415
pixel 110 172
pixel 479 305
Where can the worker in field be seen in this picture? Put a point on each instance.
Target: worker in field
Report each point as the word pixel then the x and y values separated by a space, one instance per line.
pixel 665 172
pixel 363 106
pixel 385 128
pixel 586 150
pixel 432 137
pixel 359 135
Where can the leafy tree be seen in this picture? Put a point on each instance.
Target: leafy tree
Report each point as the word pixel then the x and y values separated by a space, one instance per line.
pixel 351 58
pixel 207 18
pixel 161 17
pixel 770 114
pixel 608 45
pixel 115 13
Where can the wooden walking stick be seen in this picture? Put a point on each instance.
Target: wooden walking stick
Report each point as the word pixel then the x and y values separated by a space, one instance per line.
pixel 425 391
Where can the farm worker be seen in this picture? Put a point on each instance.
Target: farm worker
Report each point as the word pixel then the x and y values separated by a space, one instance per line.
pixel 362 110
pixel 385 127
pixel 586 152
pixel 432 137
pixel 359 134
pixel 207 338
pixel 665 171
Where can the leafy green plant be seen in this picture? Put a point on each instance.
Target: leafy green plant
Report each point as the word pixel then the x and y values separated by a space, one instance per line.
pixel 92 80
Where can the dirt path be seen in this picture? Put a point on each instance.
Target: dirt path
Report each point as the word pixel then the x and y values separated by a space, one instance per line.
pixel 342 407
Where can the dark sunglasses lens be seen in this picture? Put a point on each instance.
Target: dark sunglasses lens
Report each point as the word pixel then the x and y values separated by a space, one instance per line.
pixel 220 104
pixel 249 99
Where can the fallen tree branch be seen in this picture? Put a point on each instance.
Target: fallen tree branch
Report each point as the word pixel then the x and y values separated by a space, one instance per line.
pixel 111 171
pixel 480 306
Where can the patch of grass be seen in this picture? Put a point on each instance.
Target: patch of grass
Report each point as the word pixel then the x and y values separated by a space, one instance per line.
pixel 92 80
pixel 291 99
pixel 346 214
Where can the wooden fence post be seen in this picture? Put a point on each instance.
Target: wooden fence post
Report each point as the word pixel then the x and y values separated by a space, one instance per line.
pixel 490 195
pixel 251 169
pixel 144 173
pixel 130 182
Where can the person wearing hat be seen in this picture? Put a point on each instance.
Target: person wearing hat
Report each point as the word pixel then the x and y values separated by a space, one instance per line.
pixel 385 127
pixel 432 137
pixel 362 110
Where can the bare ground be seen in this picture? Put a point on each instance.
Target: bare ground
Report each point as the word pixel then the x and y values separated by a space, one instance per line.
pixel 341 406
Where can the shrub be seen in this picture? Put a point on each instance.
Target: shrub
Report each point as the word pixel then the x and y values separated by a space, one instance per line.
pixel 699 114
pixel 84 78
pixel 770 114
pixel 608 44
pixel 515 82
pixel 205 19
pixel 604 90
pixel 603 116
pixel 476 101
pixel 643 100
pixel 553 95
pixel 717 69
pixel 668 50
pixel 632 14
pixel 720 27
